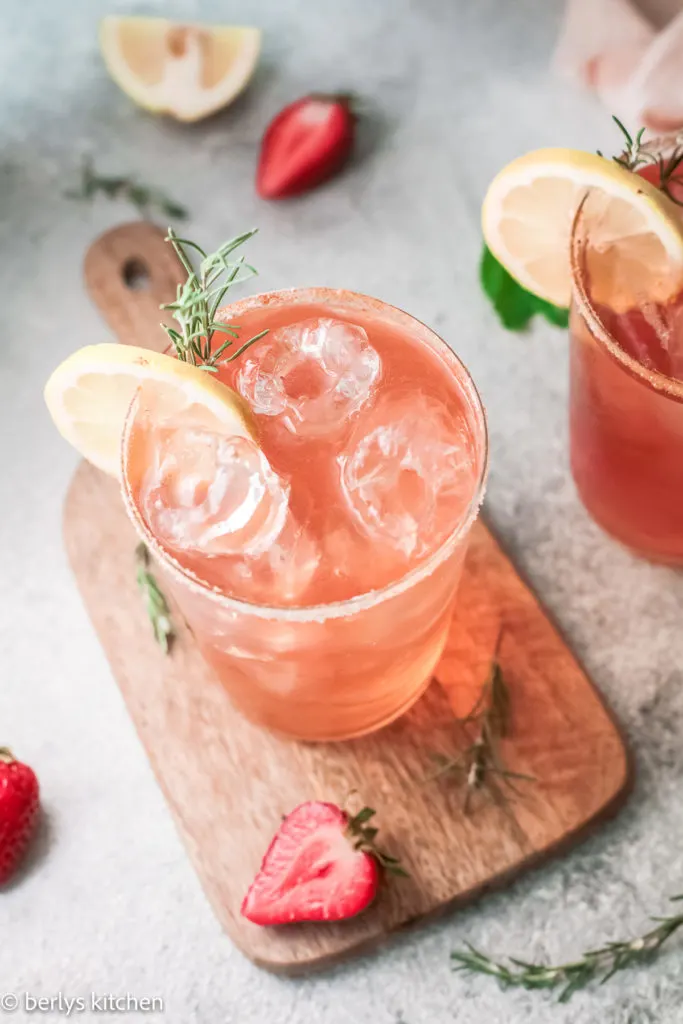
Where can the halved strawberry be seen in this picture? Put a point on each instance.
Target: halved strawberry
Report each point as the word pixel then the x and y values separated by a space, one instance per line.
pixel 322 865
pixel 304 145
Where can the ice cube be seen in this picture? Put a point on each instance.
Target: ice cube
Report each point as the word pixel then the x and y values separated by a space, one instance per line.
pixel 314 375
pixel 651 333
pixel 279 575
pixel 408 473
pixel 212 495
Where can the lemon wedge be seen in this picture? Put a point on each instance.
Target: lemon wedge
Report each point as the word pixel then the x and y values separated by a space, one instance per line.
pixel 187 71
pixel 90 393
pixel 527 219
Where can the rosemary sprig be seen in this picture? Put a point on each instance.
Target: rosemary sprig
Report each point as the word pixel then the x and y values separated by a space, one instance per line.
pixel 636 154
pixel 596 965
pixel 363 837
pixel 156 604
pixel 143 197
pixel 632 155
pixel 480 764
pixel 199 298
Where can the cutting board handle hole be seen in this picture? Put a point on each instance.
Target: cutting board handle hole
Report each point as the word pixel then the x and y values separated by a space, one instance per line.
pixel 136 275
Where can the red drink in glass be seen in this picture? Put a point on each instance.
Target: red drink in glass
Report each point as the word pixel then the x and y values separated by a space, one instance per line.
pixel 626 403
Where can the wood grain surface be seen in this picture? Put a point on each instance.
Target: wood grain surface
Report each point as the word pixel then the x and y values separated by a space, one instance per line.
pixel 228 783
pixel 129 272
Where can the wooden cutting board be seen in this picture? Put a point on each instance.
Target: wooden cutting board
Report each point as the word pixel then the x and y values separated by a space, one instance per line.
pixel 228 783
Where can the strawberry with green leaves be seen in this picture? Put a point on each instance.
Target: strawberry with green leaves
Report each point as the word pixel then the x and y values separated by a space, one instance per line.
pixel 322 865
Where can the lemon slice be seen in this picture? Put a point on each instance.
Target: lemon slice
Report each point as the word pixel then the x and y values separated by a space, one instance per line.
pixel 90 393
pixel 187 71
pixel 530 206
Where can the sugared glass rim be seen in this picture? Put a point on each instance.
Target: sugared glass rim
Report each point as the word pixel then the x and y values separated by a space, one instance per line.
pixel 343 301
pixel 660 382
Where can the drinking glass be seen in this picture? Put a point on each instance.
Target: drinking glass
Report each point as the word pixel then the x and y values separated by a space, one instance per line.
pixel 625 403
pixel 338 670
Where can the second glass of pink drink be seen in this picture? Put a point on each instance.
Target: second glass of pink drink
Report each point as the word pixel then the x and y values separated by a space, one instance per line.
pixel 317 564
pixel 626 393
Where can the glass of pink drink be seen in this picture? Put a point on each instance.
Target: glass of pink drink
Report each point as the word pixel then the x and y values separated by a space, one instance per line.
pixel 317 566
pixel 626 398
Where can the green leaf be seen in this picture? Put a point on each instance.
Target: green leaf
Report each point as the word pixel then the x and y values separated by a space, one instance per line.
pixel 557 315
pixel 396 869
pixel 514 305
pixel 363 815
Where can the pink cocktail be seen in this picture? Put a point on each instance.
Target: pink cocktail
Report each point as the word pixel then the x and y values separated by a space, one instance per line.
pixel 317 564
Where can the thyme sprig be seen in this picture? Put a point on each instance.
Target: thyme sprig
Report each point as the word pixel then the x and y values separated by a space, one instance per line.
pixel 143 197
pixel 155 602
pixel 636 154
pixel 199 298
pixel 597 965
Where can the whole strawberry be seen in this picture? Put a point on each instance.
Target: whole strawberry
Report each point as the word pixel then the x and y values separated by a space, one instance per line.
pixel 304 145
pixel 19 803
pixel 322 865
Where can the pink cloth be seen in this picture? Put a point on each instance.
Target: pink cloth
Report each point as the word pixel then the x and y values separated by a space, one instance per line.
pixel 634 67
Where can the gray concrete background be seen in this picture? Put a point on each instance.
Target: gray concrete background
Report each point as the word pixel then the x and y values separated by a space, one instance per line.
pixel 109 902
